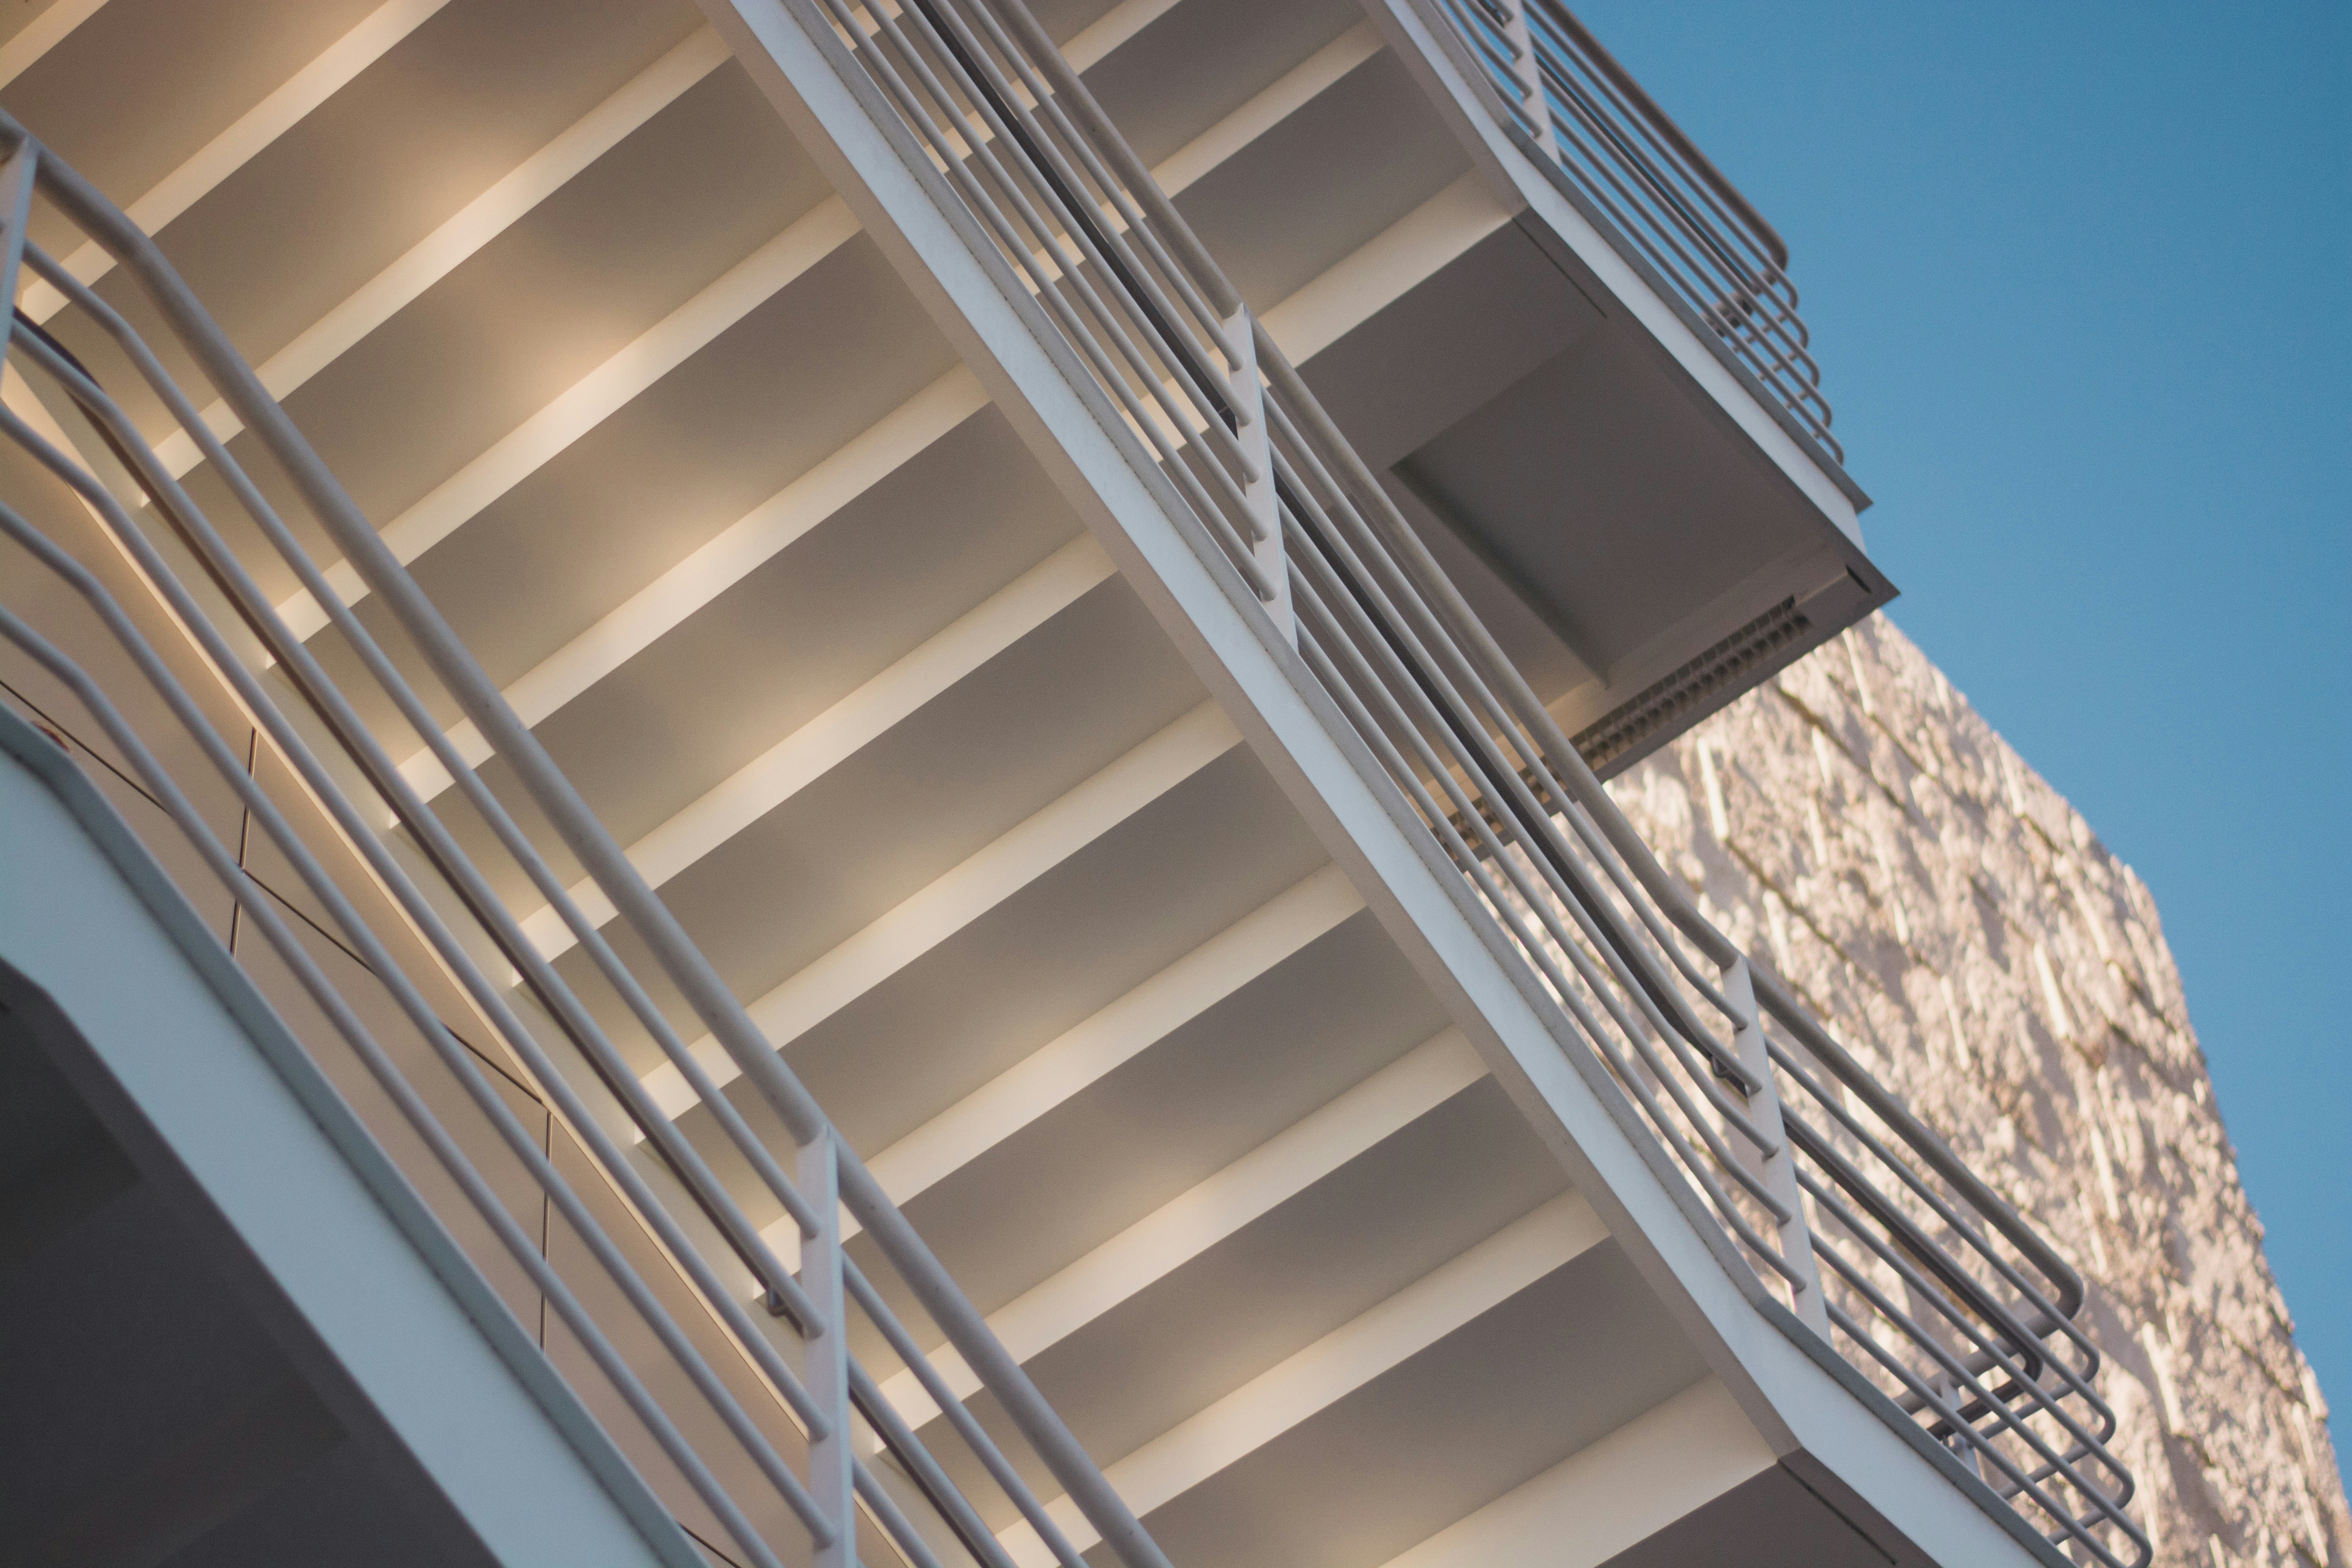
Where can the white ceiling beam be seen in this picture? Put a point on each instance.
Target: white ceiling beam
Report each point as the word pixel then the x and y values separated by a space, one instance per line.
pixel 594 398
pixel 42 34
pixel 1357 288
pixel 1292 91
pixel 1255 945
pixel 1376 274
pixel 842 731
pixel 1390 263
pixel 1095 41
pixel 1666 1462
pixel 1193 1222
pixel 463 234
pixel 739 548
pixel 246 136
pixel 962 895
pixel 1343 1360
pixel 634 368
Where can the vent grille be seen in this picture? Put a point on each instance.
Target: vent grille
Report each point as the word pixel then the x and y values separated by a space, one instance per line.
pixel 1663 701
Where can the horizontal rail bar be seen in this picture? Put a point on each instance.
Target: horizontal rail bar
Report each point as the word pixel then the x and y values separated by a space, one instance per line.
pixel 819 1410
pixel 1641 178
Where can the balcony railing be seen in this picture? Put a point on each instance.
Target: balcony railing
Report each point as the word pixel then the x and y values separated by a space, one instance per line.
pixel 1874 1233
pixel 1650 189
pixel 774 1428
pixel 1863 1223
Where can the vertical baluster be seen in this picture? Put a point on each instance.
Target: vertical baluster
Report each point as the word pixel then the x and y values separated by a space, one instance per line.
pixel 1777 1170
pixel 831 1460
pixel 1247 394
pixel 15 209
pixel 1529 71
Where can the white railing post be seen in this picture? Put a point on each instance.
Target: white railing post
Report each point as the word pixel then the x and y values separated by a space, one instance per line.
pixel 832 1461
pixel 1778 1169
pixel 16 210
pixel 1246 392
pixel 1529 72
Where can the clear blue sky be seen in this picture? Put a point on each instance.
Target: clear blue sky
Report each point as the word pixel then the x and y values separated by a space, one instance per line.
pixel 2080 279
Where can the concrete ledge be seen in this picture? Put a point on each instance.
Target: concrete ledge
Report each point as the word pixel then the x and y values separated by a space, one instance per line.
pixel 163 1034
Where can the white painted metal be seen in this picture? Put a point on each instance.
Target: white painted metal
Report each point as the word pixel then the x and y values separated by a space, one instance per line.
pixel 826 1362
pixel 1529 74
pixel 1152 1032
pixel 1778 1168
pixel 1247 394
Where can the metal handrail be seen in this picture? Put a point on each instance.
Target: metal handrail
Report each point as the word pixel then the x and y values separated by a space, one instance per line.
pixel 1511 866
pixel 1650 187
pixel 1467 749
pixel 822 1398
pixel 1706 1057
pixel 1663 124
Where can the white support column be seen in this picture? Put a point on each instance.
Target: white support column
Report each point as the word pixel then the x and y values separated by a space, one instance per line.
pixel 832 1461
pixel 1530 74
pixel 1248 395
pixel 1778 1169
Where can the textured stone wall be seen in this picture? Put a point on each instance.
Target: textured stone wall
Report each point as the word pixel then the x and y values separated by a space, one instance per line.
pixel 1858 825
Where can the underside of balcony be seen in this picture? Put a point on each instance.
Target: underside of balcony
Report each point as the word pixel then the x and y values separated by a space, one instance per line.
pixel 1133 992
pixel 1623 507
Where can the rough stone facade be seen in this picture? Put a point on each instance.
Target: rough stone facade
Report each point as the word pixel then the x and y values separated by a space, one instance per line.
pixel 1858 825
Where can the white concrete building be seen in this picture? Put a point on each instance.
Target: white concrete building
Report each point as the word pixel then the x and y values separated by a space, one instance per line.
pixel 790 783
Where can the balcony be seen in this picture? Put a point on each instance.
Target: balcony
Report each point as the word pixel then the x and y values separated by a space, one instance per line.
pixel 852 738
pixel 1566 344
pixel 1663 202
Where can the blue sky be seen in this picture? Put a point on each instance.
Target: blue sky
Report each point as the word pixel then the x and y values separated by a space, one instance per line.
pixel 2080 280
